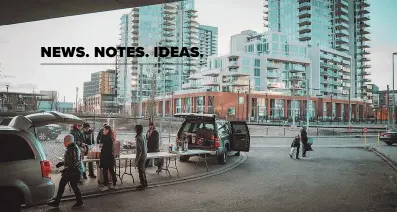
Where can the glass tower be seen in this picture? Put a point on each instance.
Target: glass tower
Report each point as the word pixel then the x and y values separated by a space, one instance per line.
pixel 338 24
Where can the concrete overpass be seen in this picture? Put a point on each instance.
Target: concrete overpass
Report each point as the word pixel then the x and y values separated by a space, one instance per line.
pixel 20 11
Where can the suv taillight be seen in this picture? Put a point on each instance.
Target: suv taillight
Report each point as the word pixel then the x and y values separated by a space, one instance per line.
pixel 216 140
pixel 46 169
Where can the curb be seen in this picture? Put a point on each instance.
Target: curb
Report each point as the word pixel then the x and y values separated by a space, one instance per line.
pixel 323 136
pixel 242 158
pixel 383 156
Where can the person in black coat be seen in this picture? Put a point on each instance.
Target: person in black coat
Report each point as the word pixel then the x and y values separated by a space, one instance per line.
pixel 153 145
pixel 88 142
pixel 296 143
pixel 100 133
pixel 107 159
pixel 304 140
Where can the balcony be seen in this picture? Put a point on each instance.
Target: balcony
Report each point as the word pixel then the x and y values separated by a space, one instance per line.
pixel 305 6
pixel 272 75
pixel 363 31
pixel 212 72
pixel 191 85
pixel 341 3
pixel 305 36
pixel 363 38
pixel 296 68
pixel 346 78
pixel 346 84
pixel 266 11
pixel 362 59
pixel 363 24
pixel 342 47
pixel 342 19
pixel 305 29
pixel 272 65
pixel 363 52
pixel 238 82
pixel 362 10
pixel 233 64
pixel 169 17
pixel 304 13
pixel 363 17
pixel 362 3
pixel 305 21
pixel 366 72
pixel 345 69
pixel 296 78
pixel 341 25
pixel 341 11
pixel 236 73
pixel 341 40
pixel 363 66
pixel 274 85
pixel 135 14
pixel 211 82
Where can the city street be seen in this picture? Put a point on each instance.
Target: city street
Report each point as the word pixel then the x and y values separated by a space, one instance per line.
pixel 331 179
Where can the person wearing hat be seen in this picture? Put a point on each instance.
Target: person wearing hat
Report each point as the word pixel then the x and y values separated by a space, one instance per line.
pixel 78 139
pixel 71 173
pixel 153 145
pixel 100 134
pixel 88 142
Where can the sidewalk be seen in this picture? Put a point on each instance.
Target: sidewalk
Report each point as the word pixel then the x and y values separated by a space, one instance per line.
pixel 389 152
pixel 187 171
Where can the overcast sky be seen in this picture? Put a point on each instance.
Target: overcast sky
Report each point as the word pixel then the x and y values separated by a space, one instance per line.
pixel 20 44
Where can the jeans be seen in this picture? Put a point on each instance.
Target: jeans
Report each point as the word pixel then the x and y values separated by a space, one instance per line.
pixel 90 168
pixel 105 176
pixel 73 179
pixel 293 150
pixel 142 172
pixel 303 150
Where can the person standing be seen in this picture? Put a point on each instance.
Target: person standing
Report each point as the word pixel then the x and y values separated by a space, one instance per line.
pixel 88 142
pixel 107 159
pixel 71 173
pixel 304 141
pixel 100 133
pixel 295 147
pixel 78 140
pixel 153 145
pixel 141 155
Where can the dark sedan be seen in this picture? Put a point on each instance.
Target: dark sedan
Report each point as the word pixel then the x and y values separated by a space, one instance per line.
pixel 389 137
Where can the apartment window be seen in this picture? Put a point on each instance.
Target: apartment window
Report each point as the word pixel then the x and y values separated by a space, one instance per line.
pixel 257 63
pixel 257 82
pixel 257 72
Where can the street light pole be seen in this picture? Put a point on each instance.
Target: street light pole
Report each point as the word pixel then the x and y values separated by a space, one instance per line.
pixel 394 100
pixel 77 93
pixel 293 106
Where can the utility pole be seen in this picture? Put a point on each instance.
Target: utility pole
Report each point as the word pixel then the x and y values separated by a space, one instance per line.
pixel 307 105
pixel 140 90
pixel 293 106
pixel 249 100
pixel 388 108
pixel 350 110
pixel 238 104
pixel 77 95
pixel 394 100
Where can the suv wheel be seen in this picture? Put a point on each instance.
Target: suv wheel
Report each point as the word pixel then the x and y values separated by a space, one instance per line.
pixel 10 200
pixel 42 136
pixel 389 143
pixel 222 159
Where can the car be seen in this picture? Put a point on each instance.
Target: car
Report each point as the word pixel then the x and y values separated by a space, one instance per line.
pixel 389 137
pixel 25 177
pixel 51 131
pixel 220 137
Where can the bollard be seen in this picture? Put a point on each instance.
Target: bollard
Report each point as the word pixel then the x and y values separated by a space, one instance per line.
pixel 284 131
pixel 365 138
pixel 378 138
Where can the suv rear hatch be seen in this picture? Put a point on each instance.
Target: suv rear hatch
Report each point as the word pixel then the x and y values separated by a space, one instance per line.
pixel 199 131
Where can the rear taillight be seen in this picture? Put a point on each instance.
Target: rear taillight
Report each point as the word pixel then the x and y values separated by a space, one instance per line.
pixel 46 169
pixel 216 140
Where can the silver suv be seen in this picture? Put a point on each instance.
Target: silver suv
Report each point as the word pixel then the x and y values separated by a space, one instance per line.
pixel 25 177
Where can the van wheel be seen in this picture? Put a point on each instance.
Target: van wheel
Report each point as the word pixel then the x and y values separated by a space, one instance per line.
pixel 184 158
pixel 222 159
pixel 42 136
pixel 10 200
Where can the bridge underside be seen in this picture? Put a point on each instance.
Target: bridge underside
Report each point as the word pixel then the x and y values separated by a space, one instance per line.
pixel 20 11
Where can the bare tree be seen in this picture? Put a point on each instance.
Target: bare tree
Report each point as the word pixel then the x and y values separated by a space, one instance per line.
pixel 151 102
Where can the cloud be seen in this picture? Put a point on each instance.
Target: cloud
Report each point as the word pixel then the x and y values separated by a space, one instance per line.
pixel 381 62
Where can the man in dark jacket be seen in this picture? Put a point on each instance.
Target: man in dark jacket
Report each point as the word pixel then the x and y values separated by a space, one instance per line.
pixel 88 143
pixel 100 134
pixel 153 145
pixel 141 155
pixel 71 173
pixel 78 140
pixel 304 141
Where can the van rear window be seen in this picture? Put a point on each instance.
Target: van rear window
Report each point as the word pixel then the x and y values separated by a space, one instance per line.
pixel 192 127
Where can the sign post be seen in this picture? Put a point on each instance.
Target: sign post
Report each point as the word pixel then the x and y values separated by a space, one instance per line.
pixel 365 135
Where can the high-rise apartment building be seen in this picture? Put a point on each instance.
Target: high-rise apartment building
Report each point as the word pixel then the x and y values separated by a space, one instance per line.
pixel 172 25
pixel 208 36
pixel 338 24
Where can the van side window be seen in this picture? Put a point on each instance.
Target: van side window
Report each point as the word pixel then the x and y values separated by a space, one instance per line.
pixel 222 129
pixel 14 148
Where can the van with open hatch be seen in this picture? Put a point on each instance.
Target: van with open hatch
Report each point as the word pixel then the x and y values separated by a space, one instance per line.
pixel 220 137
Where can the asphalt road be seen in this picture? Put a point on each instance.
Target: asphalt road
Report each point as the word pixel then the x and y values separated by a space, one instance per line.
pixel 331 179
